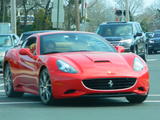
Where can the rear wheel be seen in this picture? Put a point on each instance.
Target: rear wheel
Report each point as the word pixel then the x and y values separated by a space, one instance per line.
pixel 149 51
pixel 144 56
pixel 8 83
pixel 135 50
pixel 155 51
pixel 45 87
pixel 136 99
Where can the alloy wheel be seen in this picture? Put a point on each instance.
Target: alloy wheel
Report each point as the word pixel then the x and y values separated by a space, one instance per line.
pixel 8 80
pixel 45 88
pixel 8 83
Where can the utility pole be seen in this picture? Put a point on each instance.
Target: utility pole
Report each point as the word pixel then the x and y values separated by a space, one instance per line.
pixel 13 16
pixel 3 17
pixel 127 10
pixel 77 17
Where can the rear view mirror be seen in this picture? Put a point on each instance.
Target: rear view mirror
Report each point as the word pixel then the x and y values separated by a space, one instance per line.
pixel 120 49
pixel 26 51
pixel 139 34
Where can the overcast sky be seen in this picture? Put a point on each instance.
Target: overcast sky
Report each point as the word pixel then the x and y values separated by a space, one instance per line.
pixel 148 2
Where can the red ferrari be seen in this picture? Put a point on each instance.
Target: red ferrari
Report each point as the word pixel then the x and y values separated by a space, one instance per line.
pixel 63 64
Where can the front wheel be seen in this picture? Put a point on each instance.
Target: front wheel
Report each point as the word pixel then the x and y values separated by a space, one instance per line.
pixel 45 87
pixel 137 99
pixel 8 83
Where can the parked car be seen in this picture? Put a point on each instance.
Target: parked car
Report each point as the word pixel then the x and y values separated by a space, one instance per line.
pixel 60 65
pixel 127 34
pixel 154 43
pixel 149 35
pixel 7 41
pixel 25 35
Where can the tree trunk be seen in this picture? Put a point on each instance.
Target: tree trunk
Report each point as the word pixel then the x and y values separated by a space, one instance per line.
pixel 77 17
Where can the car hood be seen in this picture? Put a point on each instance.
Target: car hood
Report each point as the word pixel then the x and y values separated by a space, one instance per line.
pixel 117 38
pixel 113 38
pixel 98 62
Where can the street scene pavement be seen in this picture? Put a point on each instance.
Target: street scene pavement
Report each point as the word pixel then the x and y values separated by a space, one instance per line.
pixel 29 107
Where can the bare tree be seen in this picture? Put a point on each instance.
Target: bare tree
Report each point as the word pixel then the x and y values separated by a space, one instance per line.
pixel 99 13
pixel 135 6
pixel 4 6
pixel 27 6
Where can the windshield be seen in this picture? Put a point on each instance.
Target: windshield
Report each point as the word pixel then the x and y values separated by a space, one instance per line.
pixel 156 35
pixel 74 42
pixel 5 41
pixel 24 36
pixel 115 30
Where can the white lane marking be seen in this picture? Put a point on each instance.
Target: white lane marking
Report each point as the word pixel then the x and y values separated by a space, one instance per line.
pixel 2 91
pixel 154 95
pixel 9 103
pixel 150 60
pixel 152 101
pixel 1 85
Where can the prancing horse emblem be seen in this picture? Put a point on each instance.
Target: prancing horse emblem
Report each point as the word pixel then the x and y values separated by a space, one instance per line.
pixel 110 83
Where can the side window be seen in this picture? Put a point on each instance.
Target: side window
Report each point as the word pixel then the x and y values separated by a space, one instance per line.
pixel 134 29
pixel 31 44
pixel 15 40
pixel 139 30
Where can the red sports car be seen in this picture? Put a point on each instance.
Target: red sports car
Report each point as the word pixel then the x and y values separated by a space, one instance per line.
pixel 63 64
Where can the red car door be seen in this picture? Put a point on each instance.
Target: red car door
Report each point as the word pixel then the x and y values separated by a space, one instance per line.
pixel 28 68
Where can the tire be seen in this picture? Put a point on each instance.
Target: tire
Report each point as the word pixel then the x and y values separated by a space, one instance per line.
pixel 149 52
pixel 135 50
pixel 45 88
pixel 8 83
pixel 155 51
pixel 144 56
pixel 136 99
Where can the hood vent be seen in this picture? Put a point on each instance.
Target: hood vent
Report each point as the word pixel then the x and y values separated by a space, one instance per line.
pixel 99 61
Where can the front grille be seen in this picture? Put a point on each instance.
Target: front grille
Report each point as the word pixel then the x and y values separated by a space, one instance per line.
pixel 114 43
pixel 109 83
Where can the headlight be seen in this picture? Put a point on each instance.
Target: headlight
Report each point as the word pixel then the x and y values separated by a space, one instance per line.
pixel 151 41
pixel 65 67
pixel 2 54
pixel 138 64
pixel 127 41
pixel 123 42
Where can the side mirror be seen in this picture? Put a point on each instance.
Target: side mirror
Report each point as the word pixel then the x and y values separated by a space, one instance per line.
pixel 120 49
pixel 138 34
pixel 26 51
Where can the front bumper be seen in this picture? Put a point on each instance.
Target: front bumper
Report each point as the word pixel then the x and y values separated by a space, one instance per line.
pixel 70 86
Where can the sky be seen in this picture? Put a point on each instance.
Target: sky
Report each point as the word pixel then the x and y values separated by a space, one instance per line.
pixel 112 3
pixel 148 2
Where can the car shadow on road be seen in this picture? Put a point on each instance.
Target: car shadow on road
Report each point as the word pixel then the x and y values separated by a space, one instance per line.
pixel 77 102
pixel 92 102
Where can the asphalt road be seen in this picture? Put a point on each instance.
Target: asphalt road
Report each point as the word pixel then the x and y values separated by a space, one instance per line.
pixel 29 107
